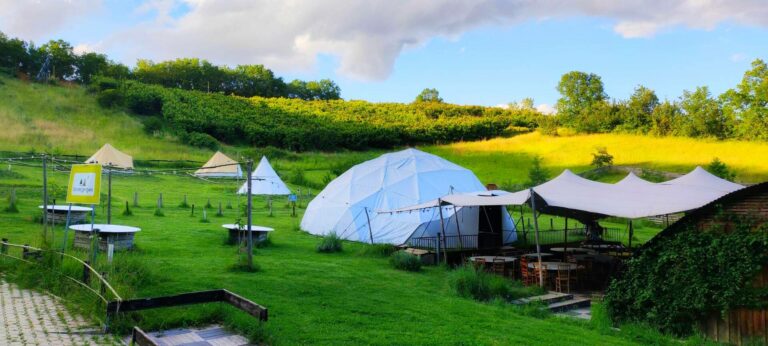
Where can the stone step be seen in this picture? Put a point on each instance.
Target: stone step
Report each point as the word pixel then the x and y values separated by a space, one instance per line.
pixel 570 304
pixel 549 298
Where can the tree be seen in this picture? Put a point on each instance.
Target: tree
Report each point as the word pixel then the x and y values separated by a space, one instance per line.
pixel 703 115
pixel 637 112
pixel 720 169
pixel 537 175
pixel 748 103
pixel 579 91
pixel 62 58
pixel 89 65
pixel 429 95
pixel 665 119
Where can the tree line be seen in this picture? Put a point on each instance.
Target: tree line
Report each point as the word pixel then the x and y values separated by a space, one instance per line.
pixel 739 113
pixel 18 57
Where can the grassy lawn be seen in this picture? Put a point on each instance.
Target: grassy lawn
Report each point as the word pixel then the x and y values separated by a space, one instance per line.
pixel 344 298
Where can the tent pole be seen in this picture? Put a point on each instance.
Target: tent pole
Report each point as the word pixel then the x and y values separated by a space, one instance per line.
pixel 538 247
pixel 566 237
pixel 631 230
pixel 368 218
pixel 109 194
pixel 458 230
pixel 442 229
pixel 249 214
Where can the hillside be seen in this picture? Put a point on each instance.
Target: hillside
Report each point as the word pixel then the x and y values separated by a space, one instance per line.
pixel 69 120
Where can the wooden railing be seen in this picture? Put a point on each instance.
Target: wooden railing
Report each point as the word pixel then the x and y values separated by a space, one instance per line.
pixel 200 297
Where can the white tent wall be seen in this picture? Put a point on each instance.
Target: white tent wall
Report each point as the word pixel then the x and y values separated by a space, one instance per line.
pixel 265 181
pixel 388 182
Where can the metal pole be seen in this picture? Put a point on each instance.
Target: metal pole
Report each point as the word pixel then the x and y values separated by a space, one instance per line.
pixel 442 228
pixel 249 167
pixel 66 230
pixel 368 218
pixel 458 230
pixel 109 195
pixel 631 231
pixel 566 238
pixel 45 198
pixel 538 247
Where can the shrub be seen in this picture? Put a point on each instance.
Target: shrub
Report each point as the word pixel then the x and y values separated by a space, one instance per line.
pixel 12 207
pixel 536 174
pixel 201 140
pixel 159 212
pixel 330 243
pixel 405 261
pixel 153 125
pixel 720 169
pixel 379 250
pixel 548 125
pixel 109 98
pixel 469 282
pixel 101 83
pixel 601 158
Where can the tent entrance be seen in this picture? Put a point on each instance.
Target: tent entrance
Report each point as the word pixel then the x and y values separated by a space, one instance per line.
pixel 489 229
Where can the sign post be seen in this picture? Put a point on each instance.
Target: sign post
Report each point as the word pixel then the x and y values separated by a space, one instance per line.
pixel 84 188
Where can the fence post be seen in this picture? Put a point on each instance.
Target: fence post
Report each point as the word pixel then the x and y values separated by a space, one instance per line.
pixel 25 251
pixel 135 199
pixel 86 273
pixel 103 288
pixel 4 246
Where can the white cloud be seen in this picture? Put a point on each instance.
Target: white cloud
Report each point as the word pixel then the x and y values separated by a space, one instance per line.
pixel 546 109
pixel 84 48
pixel 366 36
pixel 35 20
pixel 738 57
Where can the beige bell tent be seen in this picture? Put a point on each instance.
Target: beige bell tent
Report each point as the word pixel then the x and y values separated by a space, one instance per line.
pixel 109 156
pixel 220 166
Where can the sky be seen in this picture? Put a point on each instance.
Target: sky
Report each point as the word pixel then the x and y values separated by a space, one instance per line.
pixel 486 52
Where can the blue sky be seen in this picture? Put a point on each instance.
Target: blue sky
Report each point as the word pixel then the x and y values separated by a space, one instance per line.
pixel 492 55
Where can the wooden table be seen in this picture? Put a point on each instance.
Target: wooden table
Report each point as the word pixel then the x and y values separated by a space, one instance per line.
pixel 536 256
pixel 490 259
pixel 553 265
pixel 58 213
pixel 120 236
pixel 260 233
pixel 571 250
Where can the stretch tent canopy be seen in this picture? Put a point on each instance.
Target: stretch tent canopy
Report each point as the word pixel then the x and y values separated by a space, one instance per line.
pixel 630 198
pixel 265 181
pixel 220 165
pixel 109 156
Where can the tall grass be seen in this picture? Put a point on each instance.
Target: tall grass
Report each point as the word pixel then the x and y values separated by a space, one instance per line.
pixel 469 282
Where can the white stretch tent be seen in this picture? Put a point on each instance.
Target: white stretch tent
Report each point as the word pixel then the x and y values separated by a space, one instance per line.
pixel 391 181
pixel 109 156
pixel 220 166
pixel 630 198
pixel 265 181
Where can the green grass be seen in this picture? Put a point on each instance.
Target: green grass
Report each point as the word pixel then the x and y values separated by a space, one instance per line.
pixel 314 298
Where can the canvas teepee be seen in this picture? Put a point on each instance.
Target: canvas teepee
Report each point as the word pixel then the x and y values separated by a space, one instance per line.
pixel 109 156
pixel 220 166
pixel 265 181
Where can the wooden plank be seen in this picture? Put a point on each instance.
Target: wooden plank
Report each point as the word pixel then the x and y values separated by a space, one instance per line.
pixel 138 337
pixel 246 305
pixel 167 301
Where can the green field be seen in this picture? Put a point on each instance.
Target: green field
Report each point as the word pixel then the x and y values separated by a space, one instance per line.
pixel 344 298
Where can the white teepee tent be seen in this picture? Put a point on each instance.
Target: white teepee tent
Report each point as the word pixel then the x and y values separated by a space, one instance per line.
pixel 265 181
pixel 109 156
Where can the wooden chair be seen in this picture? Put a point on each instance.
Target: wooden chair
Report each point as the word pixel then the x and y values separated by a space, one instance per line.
pixel 498 267
pixel 563 279
pixel 539 273
pixel 479 264
pixel 525 274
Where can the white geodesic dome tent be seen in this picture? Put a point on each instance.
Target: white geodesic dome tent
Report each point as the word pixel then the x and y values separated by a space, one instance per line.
pixel 389 182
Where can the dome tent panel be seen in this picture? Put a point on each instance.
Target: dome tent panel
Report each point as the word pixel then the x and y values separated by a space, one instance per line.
pixel 387 182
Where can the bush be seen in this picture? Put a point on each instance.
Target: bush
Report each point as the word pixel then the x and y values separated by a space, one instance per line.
pixel 720 169
pixel 601 158
pixel 330 243
pixel 469 282
pixel 153 125
pixel 379 250
pixel 548 125
pixel 405 261
pixel 201 140
pixel 101 83
pixel 109 98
